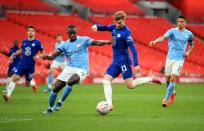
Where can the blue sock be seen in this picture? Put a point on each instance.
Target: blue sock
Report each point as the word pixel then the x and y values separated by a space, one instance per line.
pixel 50 79
pixel 170 89
pixel 67 90
pixel 53 97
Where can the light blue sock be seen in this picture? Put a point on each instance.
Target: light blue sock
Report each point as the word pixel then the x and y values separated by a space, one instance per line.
pixel 167 84
pixel 50 79
pixel 67 90
pixel 170 89
pixel 53 97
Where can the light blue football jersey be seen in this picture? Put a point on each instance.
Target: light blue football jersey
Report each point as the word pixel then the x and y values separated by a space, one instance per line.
pixel 177 43
pixel 61 57
pixel 77 52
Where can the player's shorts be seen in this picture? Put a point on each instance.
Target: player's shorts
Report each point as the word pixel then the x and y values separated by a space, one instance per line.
pixel 11 71
pixel 173 67
pixel 69 71
pixel 55 64
pixel 28 72
pixel 114 70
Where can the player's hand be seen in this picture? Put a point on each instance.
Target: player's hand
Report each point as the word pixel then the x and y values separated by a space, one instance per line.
pixel 94 28
pixel 11 60
pixel 151 43
pixel 36 57
pixel 137 69
pixel 186 54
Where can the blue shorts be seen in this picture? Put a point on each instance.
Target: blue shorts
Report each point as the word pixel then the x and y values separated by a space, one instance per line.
pixel 11 70
pixel 114 70
pixel 28 72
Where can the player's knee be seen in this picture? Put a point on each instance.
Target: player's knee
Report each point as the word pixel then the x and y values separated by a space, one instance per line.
pixel 15 78
pixel 73 80
pixel 172 78
pixel 58 85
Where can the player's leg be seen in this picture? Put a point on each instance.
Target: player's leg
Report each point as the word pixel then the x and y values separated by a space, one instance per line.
pixel 75 78
pixel 128 77
pixel 30 81
pixel 11 71
pixel 10 88
pixel 112 72
pixel 175 71
pixel 50 77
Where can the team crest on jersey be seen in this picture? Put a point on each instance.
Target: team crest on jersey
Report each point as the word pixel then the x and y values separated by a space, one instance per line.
pixel 118 35
pixel 33 44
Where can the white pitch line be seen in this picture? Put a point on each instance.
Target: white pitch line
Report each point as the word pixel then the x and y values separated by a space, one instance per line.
pixel 5 120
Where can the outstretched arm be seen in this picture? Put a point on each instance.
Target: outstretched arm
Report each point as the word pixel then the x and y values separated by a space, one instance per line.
pixel 160 39
pixel 98 27
pixel 19 52
pixel 5 53
pixel 101 42
pixel 52 56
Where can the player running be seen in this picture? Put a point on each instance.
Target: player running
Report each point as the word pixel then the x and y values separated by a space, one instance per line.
pixel 58 62
pixel 12 66
pixel 178 39
pixel 76 51
pixel 26 66
pixel 123 40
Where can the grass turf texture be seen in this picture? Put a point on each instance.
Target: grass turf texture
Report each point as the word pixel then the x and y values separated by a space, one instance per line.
pixel 139 109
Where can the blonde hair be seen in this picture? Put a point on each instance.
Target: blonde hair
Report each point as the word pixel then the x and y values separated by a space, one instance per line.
pixel 119 15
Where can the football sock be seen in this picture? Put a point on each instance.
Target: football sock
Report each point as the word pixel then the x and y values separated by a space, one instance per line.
pixel 50 80
pixel 8 81
pixel 141 81
pixel 170 89
pixel 167 84
pixel 67 90
pixel 10 88
pixel 32 82
pixel 53 97
pixel 107 91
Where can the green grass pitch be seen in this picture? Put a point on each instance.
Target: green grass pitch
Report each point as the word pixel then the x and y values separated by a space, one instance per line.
pixel 135 110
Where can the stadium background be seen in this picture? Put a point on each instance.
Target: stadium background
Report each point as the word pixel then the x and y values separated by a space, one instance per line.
pixel 148 19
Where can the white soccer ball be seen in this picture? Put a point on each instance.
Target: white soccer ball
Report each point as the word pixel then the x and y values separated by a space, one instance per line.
pixel 103 107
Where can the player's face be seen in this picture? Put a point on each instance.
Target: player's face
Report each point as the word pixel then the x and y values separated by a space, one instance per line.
pixel 59 38
pixel 72 33
pixel 31 32
pixel 120 23
pixel 181 23
pixel 15 43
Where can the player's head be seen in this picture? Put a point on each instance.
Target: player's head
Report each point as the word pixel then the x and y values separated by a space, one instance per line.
pixel 58 38
pixel 31 32
pixel 181 22
pixel 119 18
pixel 72 32
pixel 15 43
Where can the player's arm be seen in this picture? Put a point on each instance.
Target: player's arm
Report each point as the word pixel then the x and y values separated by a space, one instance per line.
pixel 187 53
pixel 52 56
pixel 19 52
pixel 131 45
pixel 159 39
pixel 98 27
pixel 101 42
pixel 6 54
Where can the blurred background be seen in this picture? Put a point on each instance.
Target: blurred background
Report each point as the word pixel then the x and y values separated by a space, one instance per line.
pixel 147 19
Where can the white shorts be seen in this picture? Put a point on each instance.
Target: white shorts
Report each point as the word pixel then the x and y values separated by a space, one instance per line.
pixel 173 67
pixel 56 64
pixel 69 71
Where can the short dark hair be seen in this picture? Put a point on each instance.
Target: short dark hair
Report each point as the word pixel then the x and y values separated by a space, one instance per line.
pixel 119 15
pixel 30 26
pixel 58 35
pixel 182 17
pixel 71 27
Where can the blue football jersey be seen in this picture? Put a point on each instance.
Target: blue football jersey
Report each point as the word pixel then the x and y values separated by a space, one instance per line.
pixel 61 57
pixel 30 49
pixel 77 52
pixel 177 43
pixel 122 40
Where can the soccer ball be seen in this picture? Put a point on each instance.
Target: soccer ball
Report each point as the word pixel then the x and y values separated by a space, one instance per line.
pixel 103 107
